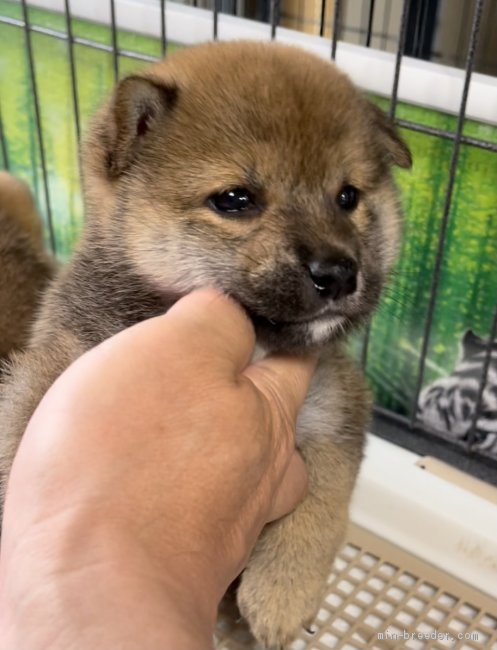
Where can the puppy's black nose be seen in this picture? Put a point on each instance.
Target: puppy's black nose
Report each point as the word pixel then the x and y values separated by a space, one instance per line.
pixel 333 277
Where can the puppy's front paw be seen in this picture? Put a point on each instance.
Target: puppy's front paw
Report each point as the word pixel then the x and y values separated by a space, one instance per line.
pixel 277 607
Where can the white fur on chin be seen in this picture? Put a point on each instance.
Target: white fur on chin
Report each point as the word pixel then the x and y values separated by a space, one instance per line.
pixel 320 331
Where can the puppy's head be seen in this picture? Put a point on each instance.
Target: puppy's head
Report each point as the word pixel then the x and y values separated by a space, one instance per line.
pixel 258 169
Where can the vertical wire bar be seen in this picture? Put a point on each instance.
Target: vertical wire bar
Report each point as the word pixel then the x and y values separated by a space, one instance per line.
pixel 483 382
pixel 424 23
pixel 475 29
pixel 215 18
pixel 370 23
pixel 39 133
pixel 3 144
pixel 72 66
pixel 400 52
pixel 365 346
pixel 163 38
pixel 115 57
pixel 274 17
pixel 323 18
pixel 417 28
pixel 393 105
pixel 334 36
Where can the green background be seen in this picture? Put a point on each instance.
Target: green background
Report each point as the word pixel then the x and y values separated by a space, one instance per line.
pixel 468 285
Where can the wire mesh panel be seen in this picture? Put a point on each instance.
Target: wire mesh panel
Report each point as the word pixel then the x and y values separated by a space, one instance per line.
pixel 447 205
pixel 61 58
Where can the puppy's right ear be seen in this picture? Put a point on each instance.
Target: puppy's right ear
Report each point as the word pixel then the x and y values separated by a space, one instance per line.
pixel 137 106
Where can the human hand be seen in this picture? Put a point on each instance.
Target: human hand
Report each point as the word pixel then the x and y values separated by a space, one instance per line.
pixel 143 481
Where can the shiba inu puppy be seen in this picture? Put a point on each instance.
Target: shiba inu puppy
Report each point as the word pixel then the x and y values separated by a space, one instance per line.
pixel 258 169
pixel 25 268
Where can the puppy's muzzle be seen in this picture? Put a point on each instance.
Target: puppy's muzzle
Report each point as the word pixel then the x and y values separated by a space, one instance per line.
pixel 333 277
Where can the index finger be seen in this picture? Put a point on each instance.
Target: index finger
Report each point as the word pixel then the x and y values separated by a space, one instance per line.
pixel 284 378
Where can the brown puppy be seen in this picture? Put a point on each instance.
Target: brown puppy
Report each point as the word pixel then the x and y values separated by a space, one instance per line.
pixel 25 268
pixel 261 170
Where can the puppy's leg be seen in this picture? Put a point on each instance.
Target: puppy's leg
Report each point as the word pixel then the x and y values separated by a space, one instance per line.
pixel 283 584
pixel 284 581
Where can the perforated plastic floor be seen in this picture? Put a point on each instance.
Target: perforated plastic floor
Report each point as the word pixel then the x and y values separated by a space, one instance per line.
pixel 382 598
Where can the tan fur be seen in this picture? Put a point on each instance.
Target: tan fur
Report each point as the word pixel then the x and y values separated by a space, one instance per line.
pixel 18 203
pixel 25 268
pixel 294 131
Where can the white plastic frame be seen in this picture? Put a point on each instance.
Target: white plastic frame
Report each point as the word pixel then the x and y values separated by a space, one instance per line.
pixel 430 517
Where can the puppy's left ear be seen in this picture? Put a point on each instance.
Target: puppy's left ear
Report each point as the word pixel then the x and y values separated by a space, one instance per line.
pixel 396 149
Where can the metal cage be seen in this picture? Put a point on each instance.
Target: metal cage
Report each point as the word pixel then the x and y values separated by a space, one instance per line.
pixel 413 38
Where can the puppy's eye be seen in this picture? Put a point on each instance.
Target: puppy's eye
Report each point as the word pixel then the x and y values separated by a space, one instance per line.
pixel 233 202
pixel 348 198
